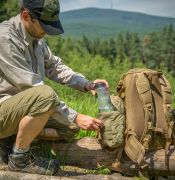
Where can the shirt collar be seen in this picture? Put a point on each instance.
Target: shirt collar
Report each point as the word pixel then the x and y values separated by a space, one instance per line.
pixel 28 39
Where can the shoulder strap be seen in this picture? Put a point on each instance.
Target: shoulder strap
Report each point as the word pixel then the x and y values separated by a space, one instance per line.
pixel 134 149
pixel 121 87
pixel 144 90
pixel 167 103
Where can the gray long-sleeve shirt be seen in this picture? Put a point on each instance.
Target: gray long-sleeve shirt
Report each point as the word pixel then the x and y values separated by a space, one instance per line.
pixel 25 61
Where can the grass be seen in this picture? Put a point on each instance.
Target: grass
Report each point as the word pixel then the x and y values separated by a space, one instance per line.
pixel 83 103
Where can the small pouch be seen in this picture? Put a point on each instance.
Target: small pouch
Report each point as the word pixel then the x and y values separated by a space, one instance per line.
pixel 112 134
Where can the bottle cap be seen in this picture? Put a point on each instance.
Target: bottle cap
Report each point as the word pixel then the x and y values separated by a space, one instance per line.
pixel 99 85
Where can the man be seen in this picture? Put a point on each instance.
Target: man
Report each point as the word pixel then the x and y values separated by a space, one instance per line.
pixel 26 103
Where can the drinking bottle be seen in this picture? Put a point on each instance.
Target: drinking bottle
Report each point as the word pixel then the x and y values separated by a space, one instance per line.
pixel 103 98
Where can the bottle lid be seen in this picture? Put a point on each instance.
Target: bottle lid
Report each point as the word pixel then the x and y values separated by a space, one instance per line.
pixel 99 85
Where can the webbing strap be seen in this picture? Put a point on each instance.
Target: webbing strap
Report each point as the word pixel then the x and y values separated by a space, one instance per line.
pixel 166 90
pixel 144 90
pixel 133 148
pixel 117 163
pixel 160 130
pixel 167 102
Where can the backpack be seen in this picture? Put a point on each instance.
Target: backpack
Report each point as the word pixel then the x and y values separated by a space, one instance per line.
pixel 147 96
pixel 149 121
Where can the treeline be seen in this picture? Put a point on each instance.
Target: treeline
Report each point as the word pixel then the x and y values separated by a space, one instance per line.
pixel 154 50
pixel 8 8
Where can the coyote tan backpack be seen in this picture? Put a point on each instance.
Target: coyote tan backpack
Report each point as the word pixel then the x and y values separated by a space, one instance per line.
pixel 147 97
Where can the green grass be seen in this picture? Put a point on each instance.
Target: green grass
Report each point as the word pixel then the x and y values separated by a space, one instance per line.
pixel 83 103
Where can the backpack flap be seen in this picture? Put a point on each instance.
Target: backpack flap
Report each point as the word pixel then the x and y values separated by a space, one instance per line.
pixel 134 149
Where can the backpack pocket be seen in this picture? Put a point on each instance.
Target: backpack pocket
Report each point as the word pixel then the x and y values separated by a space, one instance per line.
pixel 112 134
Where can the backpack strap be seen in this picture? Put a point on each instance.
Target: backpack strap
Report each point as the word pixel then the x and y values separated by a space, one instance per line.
pixel 117 163
pixel 144 90
pixel 134 149
pixel 167 102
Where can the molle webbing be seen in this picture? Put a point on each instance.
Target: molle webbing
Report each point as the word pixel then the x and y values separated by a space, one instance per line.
pixel 144 90
pixel 145 81
pixel 149 119
pixel 167 100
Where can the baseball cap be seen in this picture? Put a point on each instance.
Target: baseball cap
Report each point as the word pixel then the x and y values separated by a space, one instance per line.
pixel 47 12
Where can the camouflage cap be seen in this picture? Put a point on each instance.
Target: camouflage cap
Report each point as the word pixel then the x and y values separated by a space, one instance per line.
pixel 47 12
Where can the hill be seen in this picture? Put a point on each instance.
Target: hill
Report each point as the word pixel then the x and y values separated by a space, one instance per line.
pixel 106 23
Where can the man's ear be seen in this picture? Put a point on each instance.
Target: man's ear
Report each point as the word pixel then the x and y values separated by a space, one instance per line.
pixel 25 15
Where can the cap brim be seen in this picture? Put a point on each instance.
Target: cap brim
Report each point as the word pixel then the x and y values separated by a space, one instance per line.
pixel 52 27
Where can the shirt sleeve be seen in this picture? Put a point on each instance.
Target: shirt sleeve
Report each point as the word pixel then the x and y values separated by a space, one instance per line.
pixel 56 70
pixel 14 65
pixel 19 73
pixel 67 112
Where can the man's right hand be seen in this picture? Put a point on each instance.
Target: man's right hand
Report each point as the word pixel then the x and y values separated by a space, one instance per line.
pixel 88 123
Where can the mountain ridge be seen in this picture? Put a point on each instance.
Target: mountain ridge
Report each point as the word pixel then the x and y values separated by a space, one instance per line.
pixel 122 11
pixel 108 23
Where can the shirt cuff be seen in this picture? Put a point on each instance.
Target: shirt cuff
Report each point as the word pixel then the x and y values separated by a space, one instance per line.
pixel 68 113
pixel 79 83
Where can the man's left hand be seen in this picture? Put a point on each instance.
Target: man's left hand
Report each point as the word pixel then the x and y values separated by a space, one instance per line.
pixel 90 86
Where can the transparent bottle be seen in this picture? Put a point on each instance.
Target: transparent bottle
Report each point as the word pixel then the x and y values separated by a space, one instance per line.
pixel 103 98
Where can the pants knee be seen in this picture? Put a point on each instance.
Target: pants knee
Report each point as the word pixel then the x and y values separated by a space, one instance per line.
pixel 45 91
pixel 44 99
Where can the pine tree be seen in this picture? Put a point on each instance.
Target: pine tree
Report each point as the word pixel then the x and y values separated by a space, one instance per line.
pixel 135 52
pixel 112 50
pixel 120 48
pixel 152 50
pixel 8 9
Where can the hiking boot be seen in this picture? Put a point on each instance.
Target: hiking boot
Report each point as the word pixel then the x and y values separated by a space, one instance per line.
pixel 3 153
pixel 26 162
pixel 6 145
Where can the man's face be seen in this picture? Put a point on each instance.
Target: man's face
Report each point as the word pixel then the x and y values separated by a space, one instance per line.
pixel 35 29
pixel 32 25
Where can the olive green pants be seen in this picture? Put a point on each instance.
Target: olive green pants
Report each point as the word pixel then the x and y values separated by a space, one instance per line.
pixel 33 102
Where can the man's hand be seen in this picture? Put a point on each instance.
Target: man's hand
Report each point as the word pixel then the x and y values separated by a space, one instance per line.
pixel 88 123
pixel 90 86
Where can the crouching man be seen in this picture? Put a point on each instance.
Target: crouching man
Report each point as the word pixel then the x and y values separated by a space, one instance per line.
pixel 26 104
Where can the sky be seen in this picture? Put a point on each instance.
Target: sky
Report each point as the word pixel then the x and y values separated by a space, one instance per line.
pixel 153 7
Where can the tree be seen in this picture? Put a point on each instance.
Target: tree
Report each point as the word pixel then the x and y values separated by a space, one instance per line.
pixel 152 50
pixel 8 9
pixel 135 51
pixel 167 47
pixel 120 48
pixel 112 50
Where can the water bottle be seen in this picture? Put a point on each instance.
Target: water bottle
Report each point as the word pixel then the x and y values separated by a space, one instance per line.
pixel 103 98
